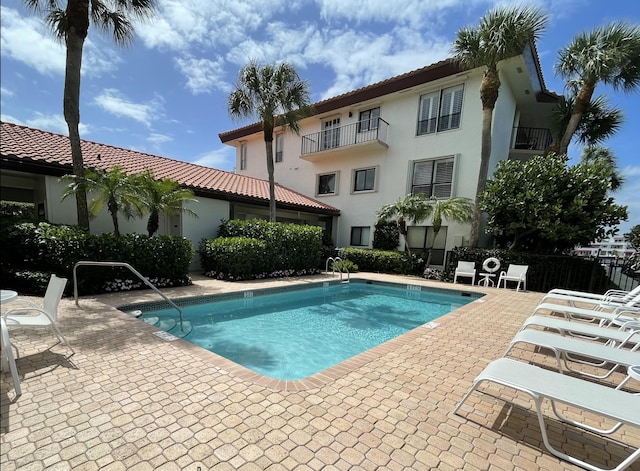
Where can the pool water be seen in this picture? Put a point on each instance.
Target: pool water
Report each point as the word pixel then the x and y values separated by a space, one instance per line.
pixel 293 335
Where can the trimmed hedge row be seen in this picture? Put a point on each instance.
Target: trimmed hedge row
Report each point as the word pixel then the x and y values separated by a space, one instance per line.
pixel 39 249
pixel 256 248
pixel 383 261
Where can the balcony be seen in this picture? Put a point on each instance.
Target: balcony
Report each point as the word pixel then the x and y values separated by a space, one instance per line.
pixel 363 135
pixel 527 142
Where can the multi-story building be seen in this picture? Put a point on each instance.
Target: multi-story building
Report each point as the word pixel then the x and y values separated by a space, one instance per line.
pixel 613 248
pixel 419 132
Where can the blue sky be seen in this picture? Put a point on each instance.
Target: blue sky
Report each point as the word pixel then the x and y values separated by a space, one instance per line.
pixel 166 93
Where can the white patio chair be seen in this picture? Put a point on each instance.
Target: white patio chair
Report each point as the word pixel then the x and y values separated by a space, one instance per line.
pixel 47 314
pixel 465 270
pixel 613 297
pixel 516 273
pixel 8 360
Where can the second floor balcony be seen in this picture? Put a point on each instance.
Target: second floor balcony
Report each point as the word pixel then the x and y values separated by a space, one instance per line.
pixel 527 142
pixel 366 134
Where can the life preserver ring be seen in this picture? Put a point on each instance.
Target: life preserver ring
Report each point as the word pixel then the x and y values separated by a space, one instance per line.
pixel 491 265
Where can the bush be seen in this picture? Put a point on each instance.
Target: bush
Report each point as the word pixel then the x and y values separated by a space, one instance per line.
pixel 233 258
pixel 289 248
pixel 345 266
pixel 39 249
pixel 383 261
pixel 386 236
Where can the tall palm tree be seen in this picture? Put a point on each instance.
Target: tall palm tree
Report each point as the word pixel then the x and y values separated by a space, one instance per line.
pixel 501 34
pixel 453 209
pixel 278 97
pixel 113 188
pixel 609 54
pixel 163 195
pixel 408 209
pixel 70 25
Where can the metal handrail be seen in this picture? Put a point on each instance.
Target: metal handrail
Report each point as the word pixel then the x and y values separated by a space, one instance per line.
pixel 133 270
pixel 333 270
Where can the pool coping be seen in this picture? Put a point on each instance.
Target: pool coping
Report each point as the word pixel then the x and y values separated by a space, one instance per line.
pixel 325 376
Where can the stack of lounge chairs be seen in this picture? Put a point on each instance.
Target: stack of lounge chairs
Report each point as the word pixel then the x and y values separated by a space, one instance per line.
pixel 592 337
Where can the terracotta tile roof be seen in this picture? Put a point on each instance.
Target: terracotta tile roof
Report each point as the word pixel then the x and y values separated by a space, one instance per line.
pixel 26 149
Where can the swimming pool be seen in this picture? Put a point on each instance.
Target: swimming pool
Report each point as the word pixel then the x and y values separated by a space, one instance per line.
pixel 294 333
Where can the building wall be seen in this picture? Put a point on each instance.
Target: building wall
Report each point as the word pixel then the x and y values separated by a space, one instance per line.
pixel 394 165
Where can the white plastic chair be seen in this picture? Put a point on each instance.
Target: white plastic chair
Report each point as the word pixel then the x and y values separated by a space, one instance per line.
pixel 47 314
pixel 465 270
pixel 517 273
pixel 7 352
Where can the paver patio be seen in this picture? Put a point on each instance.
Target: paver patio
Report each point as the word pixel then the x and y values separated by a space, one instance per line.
pixel 129 400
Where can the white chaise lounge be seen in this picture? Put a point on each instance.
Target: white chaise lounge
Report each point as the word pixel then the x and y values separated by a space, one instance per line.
pixel 563 347
pixel 542 384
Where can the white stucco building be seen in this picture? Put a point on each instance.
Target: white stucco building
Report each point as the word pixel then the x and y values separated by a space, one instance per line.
pixel 416 132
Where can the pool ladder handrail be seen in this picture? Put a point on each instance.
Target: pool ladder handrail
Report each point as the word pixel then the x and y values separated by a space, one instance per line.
pixel 333 260
pixel 133 270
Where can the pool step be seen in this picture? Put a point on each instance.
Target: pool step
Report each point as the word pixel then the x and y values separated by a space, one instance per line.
pixel 170 325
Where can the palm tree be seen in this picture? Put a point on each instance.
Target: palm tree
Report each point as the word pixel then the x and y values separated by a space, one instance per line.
pixel 599 122
pixel 71 26
pixel 453 209
pixel 602 156
pixel 163 195
pixel 609 54
pixel 278 97
pixel 501 34
pixel 409 209
pixel 114 188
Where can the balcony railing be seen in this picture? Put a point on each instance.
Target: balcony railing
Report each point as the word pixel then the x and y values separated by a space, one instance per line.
pixel 531 138
pixel 368 130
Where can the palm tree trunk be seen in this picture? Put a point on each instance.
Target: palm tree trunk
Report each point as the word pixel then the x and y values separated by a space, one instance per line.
pixel 268 141
pixel 153 223
pixel 488 95
pixel 582 103
pixel 78 19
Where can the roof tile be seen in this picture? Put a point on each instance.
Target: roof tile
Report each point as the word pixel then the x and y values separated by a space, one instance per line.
pixel 21 143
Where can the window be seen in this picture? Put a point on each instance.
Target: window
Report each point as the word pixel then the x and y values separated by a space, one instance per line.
pixel 279 147
pixel 360 236
pixel 364 179
pixel 243 156
pixel 331 133
pixel 327 184
pixel 440 110
pixel 420 240
pixel 368 120
pixel 433 177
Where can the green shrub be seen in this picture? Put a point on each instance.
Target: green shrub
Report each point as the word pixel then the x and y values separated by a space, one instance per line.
pixel 383 261
pixel 386 236
pixel 39 249
pixel 233 258
pixel 288 246
pixel 13 209
pixel 345 266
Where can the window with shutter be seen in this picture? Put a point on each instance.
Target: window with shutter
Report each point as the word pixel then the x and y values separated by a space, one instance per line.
pixel 440 110
pixel 433 177
pixel 279 147
pixel 368 119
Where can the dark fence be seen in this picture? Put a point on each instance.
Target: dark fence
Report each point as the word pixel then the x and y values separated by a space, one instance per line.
pixel 549 271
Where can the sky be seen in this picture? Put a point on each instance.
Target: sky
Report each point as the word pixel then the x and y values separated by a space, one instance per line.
pixel 166 93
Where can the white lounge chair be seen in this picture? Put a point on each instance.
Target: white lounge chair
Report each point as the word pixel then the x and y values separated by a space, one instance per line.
pixel 465 270
pixel 517 273
pixel 627 337
pixel 610 298
pixel 565 348
pixel 47 314
pixel 543 384
pixel 606 316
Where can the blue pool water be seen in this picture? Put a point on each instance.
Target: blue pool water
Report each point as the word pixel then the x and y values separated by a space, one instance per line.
pixel 293 335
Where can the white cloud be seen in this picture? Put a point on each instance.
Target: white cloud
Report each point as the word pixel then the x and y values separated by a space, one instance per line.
pixel 156 139
pixel 203 75
pixel 223 158
pixel 112 101
pixel 5 92
pixel 28 40
pixel 54 123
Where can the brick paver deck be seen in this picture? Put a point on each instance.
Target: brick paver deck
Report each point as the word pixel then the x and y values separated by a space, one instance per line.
pixel 129 400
